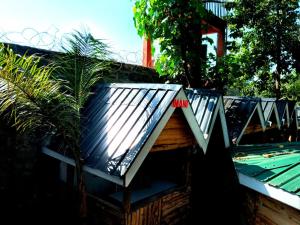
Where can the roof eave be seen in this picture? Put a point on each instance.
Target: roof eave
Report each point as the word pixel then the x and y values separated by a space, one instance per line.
pixel 270 191
pixel 85 168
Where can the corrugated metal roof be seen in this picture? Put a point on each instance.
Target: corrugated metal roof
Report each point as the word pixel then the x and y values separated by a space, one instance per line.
pixel 238 112
pixel 118 121
pixel 268 105
pixel 277 165
pixel 122 122
pixel 206 105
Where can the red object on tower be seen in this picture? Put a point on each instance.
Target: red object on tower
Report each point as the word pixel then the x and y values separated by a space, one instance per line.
pixel 147 56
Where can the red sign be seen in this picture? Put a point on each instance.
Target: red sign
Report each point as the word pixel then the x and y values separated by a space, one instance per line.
pixel 180 103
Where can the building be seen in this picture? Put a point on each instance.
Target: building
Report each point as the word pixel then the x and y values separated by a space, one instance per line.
pixel 270 175
pixel 142 146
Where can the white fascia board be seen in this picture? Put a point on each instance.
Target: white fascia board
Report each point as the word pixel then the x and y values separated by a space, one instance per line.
pixel 174 87
pixel 191 119
pixel 87 169
pixel 270 191
pixel 219 111
pixel 223 123
pixel 246 125
pixel 287 113
pixel 261 116
pixel 277 116
pixel 147 146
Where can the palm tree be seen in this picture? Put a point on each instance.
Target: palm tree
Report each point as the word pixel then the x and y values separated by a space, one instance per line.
pixel 49 99
pixel 31 100
pixel 81 66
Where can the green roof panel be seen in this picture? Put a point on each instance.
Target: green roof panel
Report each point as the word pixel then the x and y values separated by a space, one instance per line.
pixel 275 164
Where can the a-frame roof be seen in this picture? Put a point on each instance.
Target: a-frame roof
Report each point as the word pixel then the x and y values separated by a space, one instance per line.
pixel 269 107
pixel 207 105
pixel 121 123
pixel 239 112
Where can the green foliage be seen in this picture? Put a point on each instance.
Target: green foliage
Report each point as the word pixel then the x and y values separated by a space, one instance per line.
pixel 264 34
pixel 46 100
pixel 292 89
pixel 82 65
pixel 30 99
pixel 176 26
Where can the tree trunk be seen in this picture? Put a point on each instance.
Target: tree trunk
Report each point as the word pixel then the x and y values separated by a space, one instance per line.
pixel 195 49
pixel 278 71
pixel 81 189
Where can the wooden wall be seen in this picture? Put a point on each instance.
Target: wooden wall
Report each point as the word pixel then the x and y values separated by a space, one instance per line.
pixel 171 209
pixel 262 210
pixel 103 212
pixel 176 134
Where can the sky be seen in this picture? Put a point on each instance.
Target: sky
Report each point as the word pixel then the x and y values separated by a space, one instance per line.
pixel 43 23
pixel 39 22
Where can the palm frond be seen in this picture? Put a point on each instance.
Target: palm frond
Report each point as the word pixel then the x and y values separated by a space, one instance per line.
pixel 82 65
pixel 31 100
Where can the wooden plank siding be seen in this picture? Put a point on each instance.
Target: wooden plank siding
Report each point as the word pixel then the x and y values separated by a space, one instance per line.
pixel 171 209
pixel 175 135
pixel 262 210
pixel 103 212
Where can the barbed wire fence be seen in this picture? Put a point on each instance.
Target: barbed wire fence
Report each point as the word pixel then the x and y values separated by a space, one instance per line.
pixel 53 40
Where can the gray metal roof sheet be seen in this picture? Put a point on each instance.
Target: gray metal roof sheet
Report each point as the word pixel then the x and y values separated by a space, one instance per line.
pixel 118 120
pixel 238 112
pixel 283 112
pixel 268 107
pixel 206 105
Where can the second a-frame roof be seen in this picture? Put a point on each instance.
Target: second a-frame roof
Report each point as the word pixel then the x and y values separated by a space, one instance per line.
pixel 122 122
pixel 238 112
pixel 207 105
pixel 269 107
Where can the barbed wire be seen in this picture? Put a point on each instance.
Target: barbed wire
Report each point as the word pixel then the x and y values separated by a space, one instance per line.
pixel 33 38
pixel 52 39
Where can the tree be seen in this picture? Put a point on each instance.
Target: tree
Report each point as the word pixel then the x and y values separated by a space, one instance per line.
pixel 32 101
pixel 81 66
pixel 264 32
pixel 47 100
pixel 177 27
